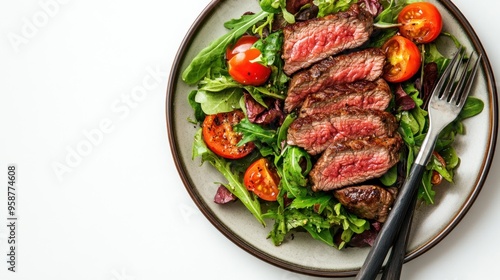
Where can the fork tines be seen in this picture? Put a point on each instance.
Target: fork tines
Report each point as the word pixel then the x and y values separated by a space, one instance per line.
pixel 462 76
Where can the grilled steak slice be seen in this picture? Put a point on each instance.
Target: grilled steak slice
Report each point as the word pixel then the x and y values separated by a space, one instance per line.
pixel 367 201
pixel 354 162
pixel 316 132
pixel 366 64
pixel 363 94
pixel 307 42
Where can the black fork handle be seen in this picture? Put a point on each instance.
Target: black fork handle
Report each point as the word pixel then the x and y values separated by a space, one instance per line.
pixel 394 266
pixel 383 242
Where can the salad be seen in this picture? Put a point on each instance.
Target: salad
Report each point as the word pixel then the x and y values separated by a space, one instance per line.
pixel 238 102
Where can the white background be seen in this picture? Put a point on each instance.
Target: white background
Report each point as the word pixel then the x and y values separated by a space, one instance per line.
pixel 82 85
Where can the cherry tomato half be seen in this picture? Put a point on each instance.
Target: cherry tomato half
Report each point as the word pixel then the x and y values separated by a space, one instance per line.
pixel 246 71
pixel 244 43
pixel 220 137
pixel 261 179
pixel 421 22
pixel 403 59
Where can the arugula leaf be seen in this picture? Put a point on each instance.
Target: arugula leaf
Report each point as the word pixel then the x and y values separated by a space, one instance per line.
pixel 386 22
pixel 217 84
pixel 279 230
pixel 390 13
pixel 216 102
pixel 450 157
pixel 276 7
pixel 282 131
pixel 255 133
pixel 198 111
pixel 350 223
pixel 319 200
pixel 271 49
pixel 425 191
pixel 408 121
pixel 384 35
pixel 321 234
pixel 473 106
pixel 293 177
pixel 306 219
pixel 327 7
pixel 390 177
pixel 432 54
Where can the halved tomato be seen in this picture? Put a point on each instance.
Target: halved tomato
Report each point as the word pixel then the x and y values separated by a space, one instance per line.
pixel 262 179
pixel 220 137
pixel 420 22
pixel 244 43
pixel 244 68
pixel 403 59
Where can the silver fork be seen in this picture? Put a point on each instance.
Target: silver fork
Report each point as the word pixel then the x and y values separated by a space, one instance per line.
pixel 446 102
pixel 392 269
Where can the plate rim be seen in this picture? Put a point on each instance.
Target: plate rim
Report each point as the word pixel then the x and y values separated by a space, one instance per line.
pixel 181 169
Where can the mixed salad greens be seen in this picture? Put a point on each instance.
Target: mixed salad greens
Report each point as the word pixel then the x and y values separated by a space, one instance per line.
pixel 295 206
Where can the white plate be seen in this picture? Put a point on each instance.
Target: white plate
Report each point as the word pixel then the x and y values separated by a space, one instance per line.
pixel 303 254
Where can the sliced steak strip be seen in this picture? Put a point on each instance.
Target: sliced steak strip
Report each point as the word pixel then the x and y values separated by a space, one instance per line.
pixel 307 42
pixel 354 162
pixel 366 64
pixel 316 132
pixel 363 94
pixel 367 201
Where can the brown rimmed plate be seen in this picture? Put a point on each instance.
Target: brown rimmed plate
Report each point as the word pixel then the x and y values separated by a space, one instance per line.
pixel 304 255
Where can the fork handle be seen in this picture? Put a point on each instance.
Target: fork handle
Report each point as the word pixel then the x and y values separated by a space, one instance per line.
pixel 383 242
pixel 394 266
